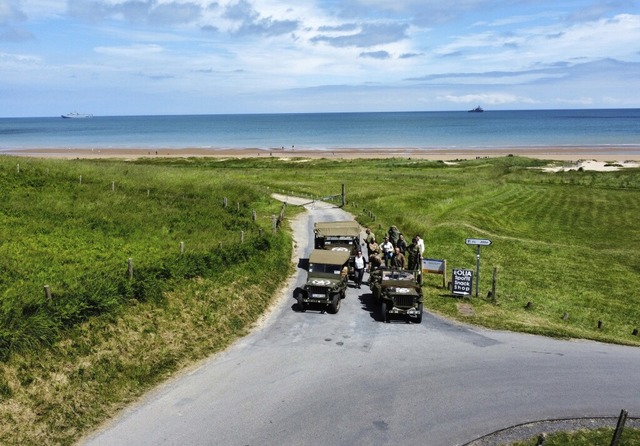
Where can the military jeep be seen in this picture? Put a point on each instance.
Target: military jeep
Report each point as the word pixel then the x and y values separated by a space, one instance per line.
pixel 326 285
pixel 339 236
pixel 397 292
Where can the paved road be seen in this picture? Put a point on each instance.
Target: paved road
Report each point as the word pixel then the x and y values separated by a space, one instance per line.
pixel 347 379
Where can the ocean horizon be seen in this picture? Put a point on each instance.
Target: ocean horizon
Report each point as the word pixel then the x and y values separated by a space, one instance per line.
pixel 599 128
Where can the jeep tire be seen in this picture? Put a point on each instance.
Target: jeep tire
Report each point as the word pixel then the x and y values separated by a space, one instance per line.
pixel 334 306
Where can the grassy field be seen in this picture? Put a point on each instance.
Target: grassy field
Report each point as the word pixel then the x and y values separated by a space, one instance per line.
pixel 566 243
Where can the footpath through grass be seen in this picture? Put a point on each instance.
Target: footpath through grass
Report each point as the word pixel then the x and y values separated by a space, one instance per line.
pixel 565 242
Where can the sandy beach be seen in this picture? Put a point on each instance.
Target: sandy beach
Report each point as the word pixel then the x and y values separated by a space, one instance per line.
pixel 569 154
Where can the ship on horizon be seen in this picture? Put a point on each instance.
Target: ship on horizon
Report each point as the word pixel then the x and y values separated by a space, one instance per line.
pixel 76 115
pixel 478 109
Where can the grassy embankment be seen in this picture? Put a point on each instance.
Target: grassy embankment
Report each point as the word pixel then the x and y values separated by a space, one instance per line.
pixel 603 437
pixel 103 338
pixel 565 242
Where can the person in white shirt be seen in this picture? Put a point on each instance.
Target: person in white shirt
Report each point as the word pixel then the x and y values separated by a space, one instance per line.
pixel 420 244
pixel 387 251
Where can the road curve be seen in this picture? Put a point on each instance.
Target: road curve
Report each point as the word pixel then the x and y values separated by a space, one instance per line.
pixel 347 379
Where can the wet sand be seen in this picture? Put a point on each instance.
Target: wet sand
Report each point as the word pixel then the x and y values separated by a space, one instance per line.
pixel 611 154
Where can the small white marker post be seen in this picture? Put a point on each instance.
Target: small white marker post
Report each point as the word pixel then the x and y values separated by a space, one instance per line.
pixel 477 242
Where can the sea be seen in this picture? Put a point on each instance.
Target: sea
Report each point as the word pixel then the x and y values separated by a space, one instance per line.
pixel 605 128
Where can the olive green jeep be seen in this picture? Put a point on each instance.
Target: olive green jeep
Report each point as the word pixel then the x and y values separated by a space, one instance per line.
pixel 326 284
pixel 397 292
pixel 339 236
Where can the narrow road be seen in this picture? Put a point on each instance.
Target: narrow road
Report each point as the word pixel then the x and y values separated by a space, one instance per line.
pixel 347 379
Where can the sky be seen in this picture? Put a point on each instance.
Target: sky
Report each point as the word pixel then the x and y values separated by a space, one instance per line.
pixel 152 57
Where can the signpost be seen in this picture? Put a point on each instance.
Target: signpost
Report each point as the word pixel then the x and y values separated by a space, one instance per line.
pixel 462 282
pixel 477 242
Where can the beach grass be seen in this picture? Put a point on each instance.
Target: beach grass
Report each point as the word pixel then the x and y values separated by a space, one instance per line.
pixel 564 247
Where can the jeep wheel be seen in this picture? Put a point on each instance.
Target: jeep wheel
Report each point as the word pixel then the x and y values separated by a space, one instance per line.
pixel 334 307
pixel 383 312
pixel 343 293
pixel 301 306
pixel 419 317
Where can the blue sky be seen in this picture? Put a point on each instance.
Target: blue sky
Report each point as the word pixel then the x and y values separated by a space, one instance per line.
pixel 132 57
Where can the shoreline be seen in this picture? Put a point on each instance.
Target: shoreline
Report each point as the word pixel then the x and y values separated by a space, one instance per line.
pixel 558 153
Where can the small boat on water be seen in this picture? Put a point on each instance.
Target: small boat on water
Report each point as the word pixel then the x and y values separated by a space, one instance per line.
pixel 478 109
pixel 75 115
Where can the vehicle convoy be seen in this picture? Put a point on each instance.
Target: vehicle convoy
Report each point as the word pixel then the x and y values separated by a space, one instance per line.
pixel 397 292
pixel 326 284
pixel 339 236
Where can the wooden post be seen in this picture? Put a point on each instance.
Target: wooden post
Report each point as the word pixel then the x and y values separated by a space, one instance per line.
pixel 130 267
pixel 224 202
pixel 241 236
pixel 274 223
pixel 599 325
pixel 238 206
pixel 47 292
pixel 80 179
pixel 622 419
pixel 444 275
pixel 260 232
pixel 181 248
pixel 254 216
pixel 148 192
pixel 113 185
pixel 18 167
pixel 344 199
pixel 493 283
pixel 565 316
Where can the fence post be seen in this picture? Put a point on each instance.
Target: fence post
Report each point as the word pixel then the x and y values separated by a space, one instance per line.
pixel 493 283
pixel 241 236
pixel 80 179
pixel 274 223
pixel 47 292
pixel 181 248
pixel 224 202
pixel 344 199
pixel 254 216
pixel 130 267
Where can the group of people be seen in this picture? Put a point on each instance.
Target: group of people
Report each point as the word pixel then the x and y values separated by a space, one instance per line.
pixel 394 252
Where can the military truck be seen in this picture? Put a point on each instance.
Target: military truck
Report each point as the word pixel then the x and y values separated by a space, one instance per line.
pixel 326 284
pixel 339 236
pixel 397 292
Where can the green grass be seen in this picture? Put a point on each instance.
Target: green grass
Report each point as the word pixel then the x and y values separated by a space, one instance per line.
pixel 597 437
pixel 566 242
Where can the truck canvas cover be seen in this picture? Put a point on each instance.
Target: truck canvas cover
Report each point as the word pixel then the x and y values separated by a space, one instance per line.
pixel 321 256
pixel 348 228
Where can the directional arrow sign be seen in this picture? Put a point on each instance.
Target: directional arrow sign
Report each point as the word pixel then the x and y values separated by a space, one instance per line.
pixel 477 241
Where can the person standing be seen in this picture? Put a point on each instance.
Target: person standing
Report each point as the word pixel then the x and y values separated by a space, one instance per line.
pixel 369 239
pixel 413 252
pixel 402 244
pixel 360 264
pixel 373 249
pixel 420 244
pixel 398 259
pixel 387 251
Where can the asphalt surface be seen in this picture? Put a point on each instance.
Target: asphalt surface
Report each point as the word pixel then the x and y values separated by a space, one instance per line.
pixel 347 379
